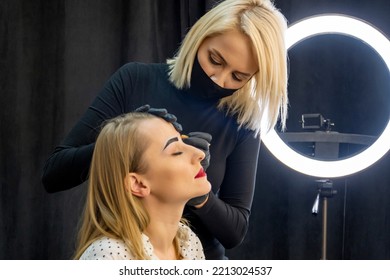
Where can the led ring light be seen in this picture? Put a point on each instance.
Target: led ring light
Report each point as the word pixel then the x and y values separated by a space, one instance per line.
pixel 349 26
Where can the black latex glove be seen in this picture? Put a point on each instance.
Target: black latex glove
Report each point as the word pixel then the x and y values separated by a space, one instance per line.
pixel 162 113
pixel 200 140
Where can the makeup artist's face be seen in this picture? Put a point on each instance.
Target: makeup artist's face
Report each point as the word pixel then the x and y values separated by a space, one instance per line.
pixel 173 172
pixel 228 59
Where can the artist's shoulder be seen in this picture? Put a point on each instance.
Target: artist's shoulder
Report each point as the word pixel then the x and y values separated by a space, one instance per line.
pixel 141 67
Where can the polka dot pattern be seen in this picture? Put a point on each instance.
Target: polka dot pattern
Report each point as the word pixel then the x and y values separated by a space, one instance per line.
pixel 107 248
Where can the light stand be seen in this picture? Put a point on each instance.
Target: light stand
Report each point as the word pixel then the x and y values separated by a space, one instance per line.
pixel 326 147
pixel 325 191
pixel 318 167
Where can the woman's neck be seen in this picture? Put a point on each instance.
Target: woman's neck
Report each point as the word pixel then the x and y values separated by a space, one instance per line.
pixel 162 229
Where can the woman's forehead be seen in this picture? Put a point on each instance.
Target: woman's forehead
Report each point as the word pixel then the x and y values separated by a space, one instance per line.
pixel 157 130
pixel 235 47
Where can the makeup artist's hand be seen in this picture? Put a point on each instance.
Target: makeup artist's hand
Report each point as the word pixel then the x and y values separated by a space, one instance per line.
pixel 200 140
pixel 162 113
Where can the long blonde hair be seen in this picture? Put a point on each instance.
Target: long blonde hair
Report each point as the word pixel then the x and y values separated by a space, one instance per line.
pixel 263 99
pixel 110 210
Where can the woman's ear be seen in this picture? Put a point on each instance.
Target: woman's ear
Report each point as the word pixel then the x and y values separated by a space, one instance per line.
pixel 135 185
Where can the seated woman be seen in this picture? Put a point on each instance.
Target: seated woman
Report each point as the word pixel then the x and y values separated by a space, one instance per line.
pixel 142 174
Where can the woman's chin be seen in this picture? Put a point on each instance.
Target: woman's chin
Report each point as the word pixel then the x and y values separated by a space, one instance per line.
pixel 206 187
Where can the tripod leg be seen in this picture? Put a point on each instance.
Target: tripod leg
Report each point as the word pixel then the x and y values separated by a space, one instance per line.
pixel 324 226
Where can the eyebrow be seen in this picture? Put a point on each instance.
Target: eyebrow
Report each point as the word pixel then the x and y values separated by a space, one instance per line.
pixel 174 139
pixel 223 59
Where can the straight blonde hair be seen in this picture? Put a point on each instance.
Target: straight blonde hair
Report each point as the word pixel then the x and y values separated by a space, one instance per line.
pixel 111 211
pixel 262 101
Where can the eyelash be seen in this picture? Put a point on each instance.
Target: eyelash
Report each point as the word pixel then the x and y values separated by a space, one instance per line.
pixel 214 62
pixel 235 78
pixel 177 153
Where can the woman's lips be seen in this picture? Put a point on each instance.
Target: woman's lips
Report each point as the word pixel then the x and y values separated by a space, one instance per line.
pixel 200 174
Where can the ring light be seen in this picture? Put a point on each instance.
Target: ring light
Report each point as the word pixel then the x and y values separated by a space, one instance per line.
pixel 345 25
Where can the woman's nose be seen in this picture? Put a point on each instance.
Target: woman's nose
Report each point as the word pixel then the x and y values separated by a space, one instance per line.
pixel 197 154
pixel 220 79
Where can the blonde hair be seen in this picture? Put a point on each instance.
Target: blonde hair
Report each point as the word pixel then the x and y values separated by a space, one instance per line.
pixel 263 99
pixel 111 211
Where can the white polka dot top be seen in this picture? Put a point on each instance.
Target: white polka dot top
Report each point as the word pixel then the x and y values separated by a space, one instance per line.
pixel 107 248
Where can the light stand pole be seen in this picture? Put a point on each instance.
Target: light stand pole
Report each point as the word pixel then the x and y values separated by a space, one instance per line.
pixel 325 191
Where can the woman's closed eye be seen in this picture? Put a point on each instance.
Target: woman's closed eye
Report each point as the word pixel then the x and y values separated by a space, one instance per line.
pixel 177 153
pixel 214 60
pixel 236 78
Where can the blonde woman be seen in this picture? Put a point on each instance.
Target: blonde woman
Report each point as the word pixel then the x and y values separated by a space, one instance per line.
pixel 229 79
pixel 142 175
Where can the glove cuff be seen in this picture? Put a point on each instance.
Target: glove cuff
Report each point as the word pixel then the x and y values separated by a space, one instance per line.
pixel 197 200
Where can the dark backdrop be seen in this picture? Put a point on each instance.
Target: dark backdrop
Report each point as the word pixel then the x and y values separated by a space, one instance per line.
pixel 55 57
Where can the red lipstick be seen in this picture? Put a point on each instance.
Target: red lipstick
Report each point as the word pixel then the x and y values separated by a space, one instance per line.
pixel 200 174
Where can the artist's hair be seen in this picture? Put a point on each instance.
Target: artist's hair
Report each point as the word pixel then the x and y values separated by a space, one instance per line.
pixel 263 99
pixel 110 210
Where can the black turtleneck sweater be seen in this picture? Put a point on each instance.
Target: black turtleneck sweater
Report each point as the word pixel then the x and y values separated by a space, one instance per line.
pixel 223 221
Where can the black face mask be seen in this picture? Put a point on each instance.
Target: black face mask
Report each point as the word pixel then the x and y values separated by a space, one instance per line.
pixel 203 86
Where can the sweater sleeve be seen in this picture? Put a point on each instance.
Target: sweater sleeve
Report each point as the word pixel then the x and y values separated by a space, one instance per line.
pixel 68 165
pixel 226 214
